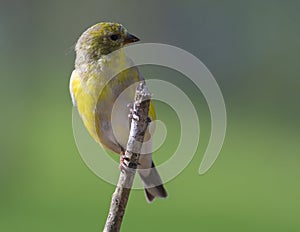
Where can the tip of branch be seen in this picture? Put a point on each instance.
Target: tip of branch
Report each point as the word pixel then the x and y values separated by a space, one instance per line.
pixel 142 92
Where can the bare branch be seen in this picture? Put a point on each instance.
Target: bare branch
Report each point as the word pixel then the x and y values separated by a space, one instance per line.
pixel 138 128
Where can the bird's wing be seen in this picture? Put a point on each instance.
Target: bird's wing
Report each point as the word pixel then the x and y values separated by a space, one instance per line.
pixel 83 97
pixel 74 85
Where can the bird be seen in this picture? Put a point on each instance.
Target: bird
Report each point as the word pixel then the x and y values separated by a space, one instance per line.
pixel 102 96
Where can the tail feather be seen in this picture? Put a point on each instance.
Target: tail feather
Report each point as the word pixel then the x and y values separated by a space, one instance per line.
pixel 149 196
pixel 158 191
pixel 152 183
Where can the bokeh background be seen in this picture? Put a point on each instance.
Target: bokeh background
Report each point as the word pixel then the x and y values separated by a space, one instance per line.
pixel 252 49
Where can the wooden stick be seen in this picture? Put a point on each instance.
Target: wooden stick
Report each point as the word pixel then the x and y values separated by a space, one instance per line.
pixel 138 128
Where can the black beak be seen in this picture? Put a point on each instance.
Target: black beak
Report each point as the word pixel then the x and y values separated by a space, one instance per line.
pixel 131 39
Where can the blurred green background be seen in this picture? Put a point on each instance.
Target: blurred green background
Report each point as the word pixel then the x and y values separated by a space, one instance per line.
pixel 252 49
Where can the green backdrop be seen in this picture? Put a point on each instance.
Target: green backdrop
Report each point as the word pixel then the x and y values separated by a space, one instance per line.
pixel 252 49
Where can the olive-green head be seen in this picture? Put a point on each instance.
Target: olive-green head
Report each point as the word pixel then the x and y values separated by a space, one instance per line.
pixel 102 39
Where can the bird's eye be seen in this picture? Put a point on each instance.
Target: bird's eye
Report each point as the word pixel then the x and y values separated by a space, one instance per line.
pixel 115 37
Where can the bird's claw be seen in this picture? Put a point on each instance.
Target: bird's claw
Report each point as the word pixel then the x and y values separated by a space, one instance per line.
pixel 135 117
pixel 130 105
pixel 122 165
pixel 132 114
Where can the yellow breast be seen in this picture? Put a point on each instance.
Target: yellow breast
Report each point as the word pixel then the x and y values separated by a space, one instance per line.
pixel 104 114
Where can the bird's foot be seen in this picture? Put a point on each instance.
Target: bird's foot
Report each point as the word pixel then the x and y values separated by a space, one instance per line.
pixel 132 114
pixel 122 163
pixel 130 106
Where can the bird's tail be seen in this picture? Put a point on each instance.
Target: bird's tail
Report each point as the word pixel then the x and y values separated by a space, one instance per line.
pixel 152 183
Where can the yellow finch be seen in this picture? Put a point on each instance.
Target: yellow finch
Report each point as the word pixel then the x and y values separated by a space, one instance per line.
pixel 102 100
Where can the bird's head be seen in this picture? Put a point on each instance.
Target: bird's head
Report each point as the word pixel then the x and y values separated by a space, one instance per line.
pixel 102 39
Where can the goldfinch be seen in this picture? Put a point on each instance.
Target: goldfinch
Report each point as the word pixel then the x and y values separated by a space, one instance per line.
pixel 102 97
